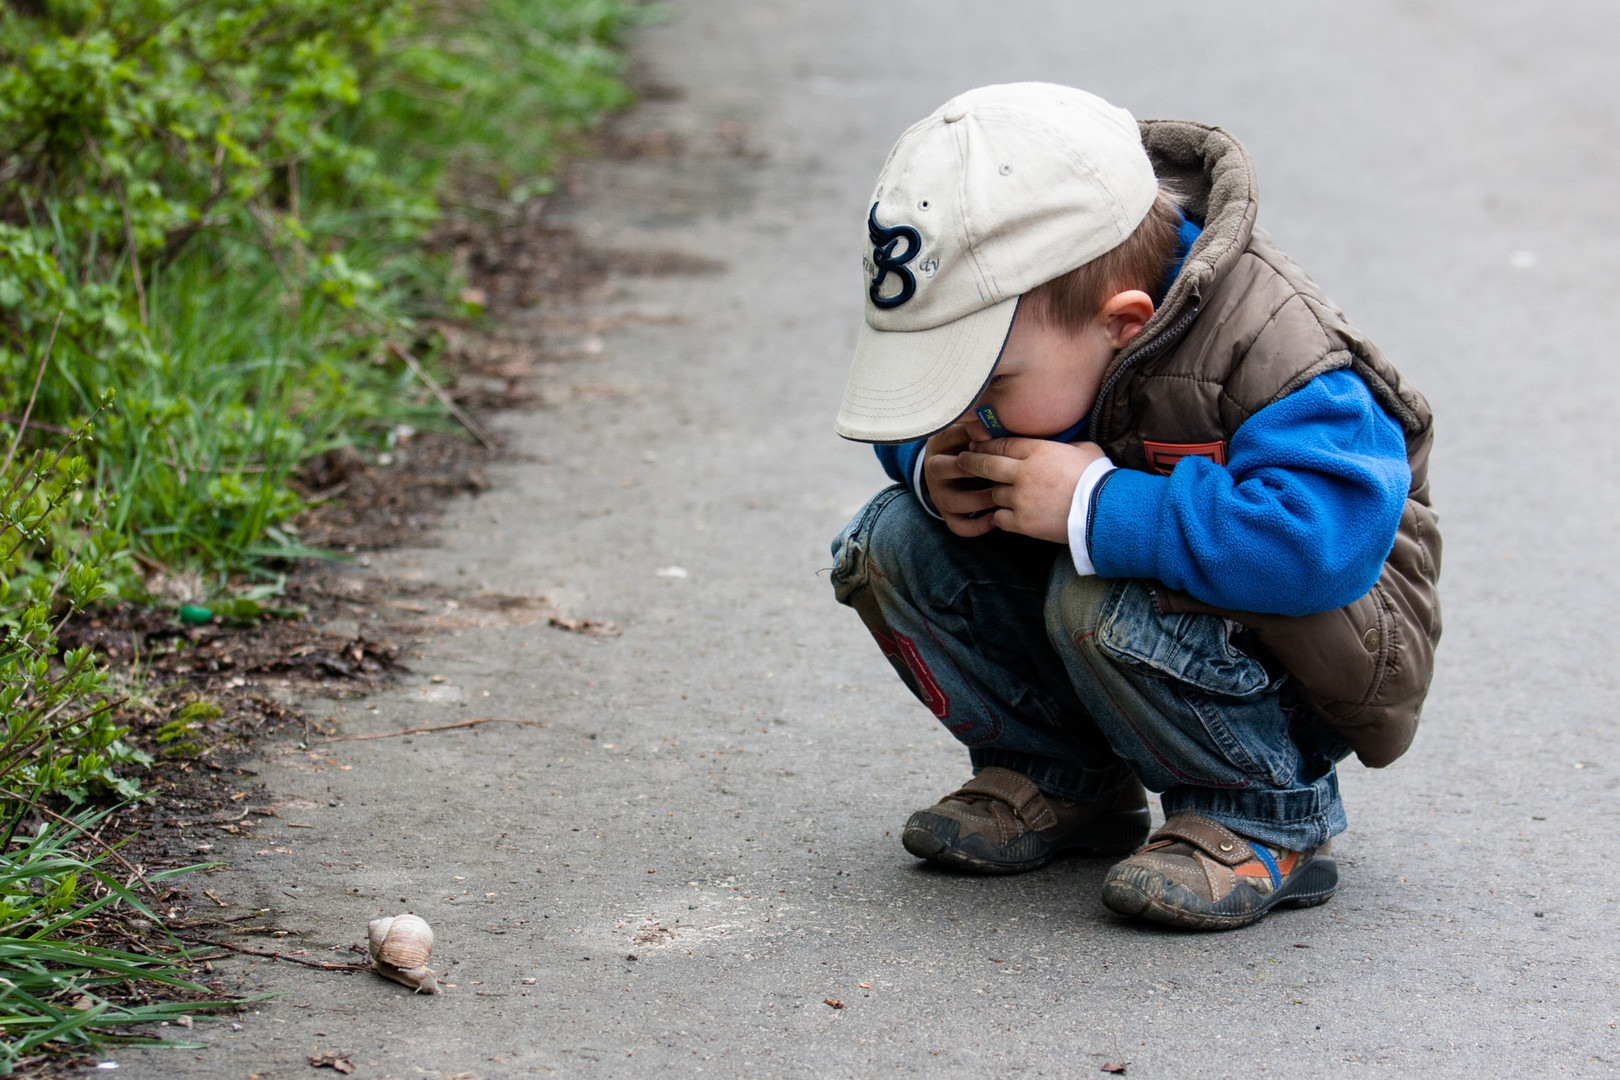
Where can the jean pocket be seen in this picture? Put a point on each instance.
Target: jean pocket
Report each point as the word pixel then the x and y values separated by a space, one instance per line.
pixel 1251 735
pixel 1193 649
pixel 1218 694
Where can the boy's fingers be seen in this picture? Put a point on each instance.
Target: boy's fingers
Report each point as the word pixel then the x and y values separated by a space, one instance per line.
pixel 997 467
pixel 962 525
pixel 944 467
pixel 951 500
pixel 949 441
pixel 1011 446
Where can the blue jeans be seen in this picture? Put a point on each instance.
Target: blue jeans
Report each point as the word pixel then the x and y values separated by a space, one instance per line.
pixel 1077 682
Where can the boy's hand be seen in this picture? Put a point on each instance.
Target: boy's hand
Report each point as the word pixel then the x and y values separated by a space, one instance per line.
pixel 1034 482
pixel 962 499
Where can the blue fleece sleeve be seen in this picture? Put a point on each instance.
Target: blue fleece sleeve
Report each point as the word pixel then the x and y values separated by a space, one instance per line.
pixel 1299 520
pixel 900 460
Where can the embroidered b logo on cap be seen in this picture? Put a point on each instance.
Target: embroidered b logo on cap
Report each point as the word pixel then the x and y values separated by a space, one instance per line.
pixel 886 262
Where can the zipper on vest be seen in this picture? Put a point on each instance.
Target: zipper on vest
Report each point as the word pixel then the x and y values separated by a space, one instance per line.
pixel 1171 332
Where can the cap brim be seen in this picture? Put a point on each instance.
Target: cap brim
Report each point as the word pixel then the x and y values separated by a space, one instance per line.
pixel 909 384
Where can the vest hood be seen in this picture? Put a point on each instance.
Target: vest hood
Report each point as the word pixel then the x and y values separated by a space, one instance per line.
pixel 1214 178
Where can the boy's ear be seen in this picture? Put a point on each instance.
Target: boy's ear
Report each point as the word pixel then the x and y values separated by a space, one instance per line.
pixel 1124 315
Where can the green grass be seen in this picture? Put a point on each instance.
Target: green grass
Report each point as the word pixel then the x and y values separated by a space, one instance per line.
pixel 213 225
pixel 200 445
pixel 61 990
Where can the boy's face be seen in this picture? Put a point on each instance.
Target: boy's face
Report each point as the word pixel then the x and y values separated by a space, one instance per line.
pixel 1048 377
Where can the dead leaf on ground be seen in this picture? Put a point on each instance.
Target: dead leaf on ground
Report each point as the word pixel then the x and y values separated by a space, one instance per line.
pixel 332 1061
pixel 654 934
pixel 587 626
pixel 834 1002
pixel 1116 1067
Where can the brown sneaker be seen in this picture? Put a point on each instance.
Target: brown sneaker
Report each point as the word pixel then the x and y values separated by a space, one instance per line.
pixel 1001 823
pixel 1198 874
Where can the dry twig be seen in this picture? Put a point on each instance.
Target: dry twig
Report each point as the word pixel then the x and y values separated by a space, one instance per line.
pixel 435 727
pixel 112 851
pixel 39 376
pixel 276 956
pixel 445 399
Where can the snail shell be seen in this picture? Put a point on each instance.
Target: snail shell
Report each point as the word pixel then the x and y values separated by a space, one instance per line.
pixel 400 947
pixel 405 941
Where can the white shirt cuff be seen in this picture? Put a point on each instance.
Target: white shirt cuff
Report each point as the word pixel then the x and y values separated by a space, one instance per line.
pixel 922 492
pixel 1080 510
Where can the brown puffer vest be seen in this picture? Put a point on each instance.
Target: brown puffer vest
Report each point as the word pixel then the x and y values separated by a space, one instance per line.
pixel 1241 327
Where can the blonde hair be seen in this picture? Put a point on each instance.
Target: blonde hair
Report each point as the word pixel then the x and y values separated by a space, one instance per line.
pixel 1142 261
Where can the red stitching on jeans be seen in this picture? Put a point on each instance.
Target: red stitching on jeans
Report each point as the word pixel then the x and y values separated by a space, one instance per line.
pixel 965 728
pixel 898 645
pixel 1197 781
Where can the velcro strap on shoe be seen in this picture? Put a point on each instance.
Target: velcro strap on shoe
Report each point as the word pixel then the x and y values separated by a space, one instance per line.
pixel 1017 791
pixel 1211 837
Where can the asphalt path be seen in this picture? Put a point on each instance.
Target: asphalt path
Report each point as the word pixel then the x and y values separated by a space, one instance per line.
pixel 718 792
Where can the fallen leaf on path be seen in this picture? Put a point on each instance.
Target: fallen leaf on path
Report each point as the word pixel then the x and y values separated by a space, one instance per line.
pixel 332 1061
pixel 834 1002
pixel 1117 1067
pixel 588 626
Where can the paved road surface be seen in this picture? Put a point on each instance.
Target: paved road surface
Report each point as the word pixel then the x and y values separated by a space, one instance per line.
pixel 719 791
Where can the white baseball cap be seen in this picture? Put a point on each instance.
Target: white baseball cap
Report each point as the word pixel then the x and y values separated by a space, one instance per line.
pixel 1001 189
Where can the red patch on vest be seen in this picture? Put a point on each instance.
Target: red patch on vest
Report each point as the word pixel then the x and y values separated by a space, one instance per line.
pixel 1162 456
pixel 899 650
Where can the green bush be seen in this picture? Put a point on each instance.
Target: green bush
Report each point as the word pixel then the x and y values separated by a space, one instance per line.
pixel 221 205
pixel 58 987
pixel 59 738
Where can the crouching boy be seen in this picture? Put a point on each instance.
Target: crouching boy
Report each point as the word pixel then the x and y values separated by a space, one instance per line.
pixel 1161 515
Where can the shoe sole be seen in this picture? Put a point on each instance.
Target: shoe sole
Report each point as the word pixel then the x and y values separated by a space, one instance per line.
pixel 1310 885
pixel 935 838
